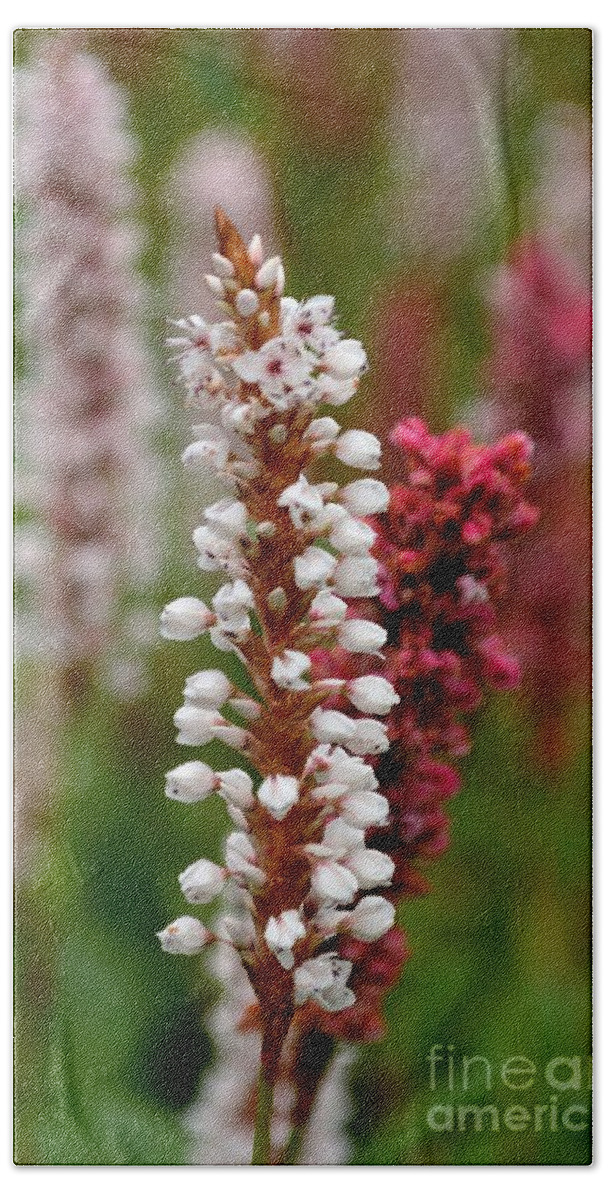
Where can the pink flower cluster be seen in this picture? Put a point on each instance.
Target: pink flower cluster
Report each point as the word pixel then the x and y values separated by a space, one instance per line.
pixel 441 550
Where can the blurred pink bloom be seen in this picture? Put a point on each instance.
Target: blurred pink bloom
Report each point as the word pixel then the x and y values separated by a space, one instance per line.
pixel 539 374
pixel 87 472
pixel 561 200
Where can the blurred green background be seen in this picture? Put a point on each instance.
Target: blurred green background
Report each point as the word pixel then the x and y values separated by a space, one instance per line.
pixel 110 1043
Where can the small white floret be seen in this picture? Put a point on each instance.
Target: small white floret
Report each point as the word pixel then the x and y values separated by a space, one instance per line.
pixel 202 881
pixel 247 302
pixel 269 273
pixel 184 619
pixel 356 576
pixel 371 918
pixel 282 933
pixel 358 448
pixel 288 668
pixel 372 694
pixel 313 568
pixel 365 497
pixel 190 782
pixel 185 935
pixel 209 688
pixel 278 794
pixel 236 787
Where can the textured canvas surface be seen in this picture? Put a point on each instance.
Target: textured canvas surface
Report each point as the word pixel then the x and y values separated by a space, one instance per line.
pixel 381 882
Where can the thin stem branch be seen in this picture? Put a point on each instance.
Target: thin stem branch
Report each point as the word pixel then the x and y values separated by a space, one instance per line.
pixel 263 1120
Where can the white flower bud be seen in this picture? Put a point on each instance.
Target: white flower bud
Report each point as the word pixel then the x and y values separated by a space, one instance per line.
pixel 247 302
pixel 356 576
pixel 372 694
pixel 235 786
pixel 333 881
pixel 224 268
pixel 197 726
pixel 232 596
pixel 364 809
pixel 210 688
pixel 303 501
pixel 185 935
pixel 282 933
pixel 322 432
pixel 278 794
pixel 371 918
pixel 350 536
pixel 361 637
pixel 227 517
pixel 335 391
pixel 360 449
pixel 349 772
pixel 287 670
pixel 266 530
pixel 190 782
pixel 255 251
pixel 279 286
pixel 184 619
pixel 368 737
pixel 327 610
pixel 215 553
pixel 202 881
pixel 231 735
pixel 345 359
pixel 269 273
pixel 365 497
pixel 237 816
pixel 240 930
pixel 241 859
pixel 247 708
pixel 210 450
pixel 327 489
pixel 323 979
pixel 340 839
pixel 313 568
pixel 240 418
pixel 329 725
pixel 215 286
pixel 222 640
pixel 371 867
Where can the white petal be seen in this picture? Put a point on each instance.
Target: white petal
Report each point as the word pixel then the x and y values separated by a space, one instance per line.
pixel 185 935
pixel 372 694
pixel 190 782
pixel 184 619
pixel 361 637
pixel 365 497
pixel 210 688
pixel 360 449
pixel 202 881
pixel 278 794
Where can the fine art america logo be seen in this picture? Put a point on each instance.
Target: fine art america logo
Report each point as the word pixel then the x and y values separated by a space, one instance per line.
pixel 564 1082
